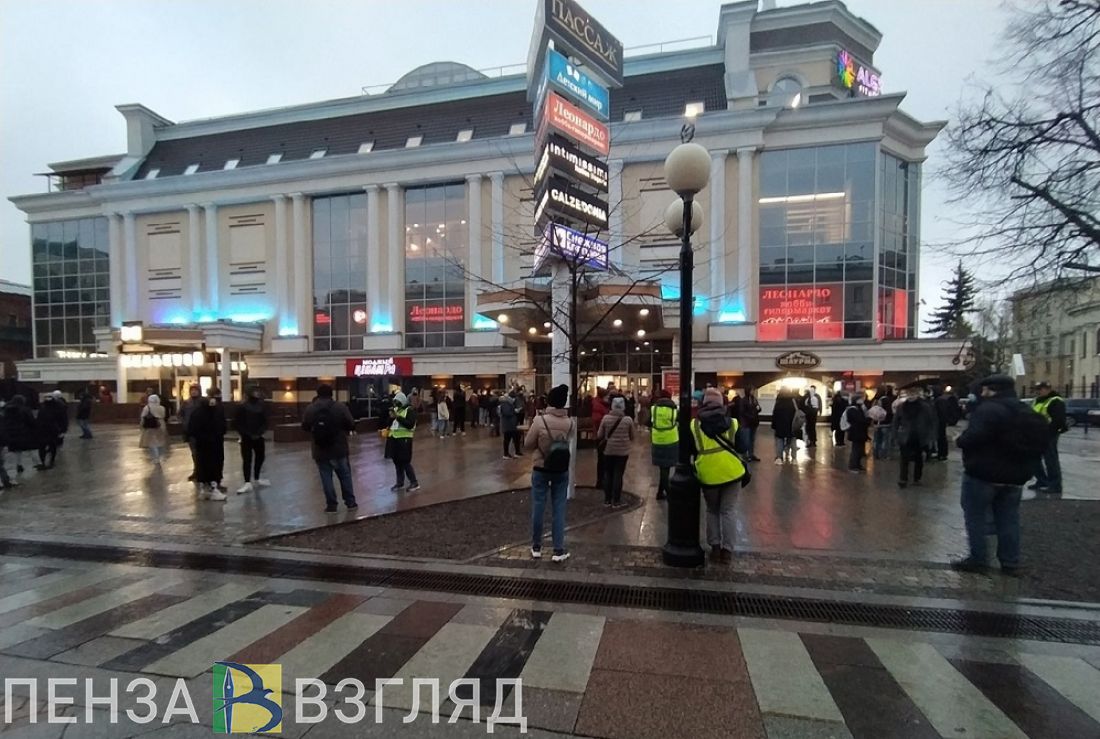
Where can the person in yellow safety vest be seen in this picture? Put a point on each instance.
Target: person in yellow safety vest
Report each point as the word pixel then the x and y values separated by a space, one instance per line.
pixel 399 445
pixel 719 470
pixel 1048 471
pixel 663 439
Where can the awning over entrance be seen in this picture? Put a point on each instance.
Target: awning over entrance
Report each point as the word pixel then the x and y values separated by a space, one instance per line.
pixel 621 309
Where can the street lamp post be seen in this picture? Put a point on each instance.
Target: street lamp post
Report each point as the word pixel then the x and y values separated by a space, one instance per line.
pixel 687 170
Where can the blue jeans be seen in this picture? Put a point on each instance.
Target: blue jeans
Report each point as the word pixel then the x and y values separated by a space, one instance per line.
pixel 1048 470
pixel 978 497
pixel 557 485
pixel 884 440
pixel 85 429
pixel 342 468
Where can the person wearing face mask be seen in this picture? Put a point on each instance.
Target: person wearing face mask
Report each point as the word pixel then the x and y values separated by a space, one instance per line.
pixel 207 427
pixel 914 427
pixel 194 399
pixel 251 422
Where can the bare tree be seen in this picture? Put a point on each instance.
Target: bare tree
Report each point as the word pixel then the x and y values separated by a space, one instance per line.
pixel 1024 160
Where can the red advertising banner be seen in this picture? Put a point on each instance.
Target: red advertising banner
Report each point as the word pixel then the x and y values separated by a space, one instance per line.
pixel 380 367
pixel 670 381
pixel 820 307
pixel 562 116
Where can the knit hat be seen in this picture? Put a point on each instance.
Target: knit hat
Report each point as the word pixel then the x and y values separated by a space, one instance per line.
pixel 558 396
pixel 618 403
pixel 999 383
pixel 401 399
pixel 713 395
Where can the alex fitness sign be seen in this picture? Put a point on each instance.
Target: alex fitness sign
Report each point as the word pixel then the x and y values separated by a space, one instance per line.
pixel 855 77
pixel 379 367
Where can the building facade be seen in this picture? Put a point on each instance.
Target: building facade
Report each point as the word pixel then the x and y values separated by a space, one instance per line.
pixel 16 342
pixel 1056 331
pixel 394 230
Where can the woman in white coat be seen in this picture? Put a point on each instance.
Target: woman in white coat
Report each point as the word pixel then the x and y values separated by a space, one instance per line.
pixel 154 431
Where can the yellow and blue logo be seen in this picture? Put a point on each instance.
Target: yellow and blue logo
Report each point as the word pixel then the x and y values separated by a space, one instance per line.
pixel 248 699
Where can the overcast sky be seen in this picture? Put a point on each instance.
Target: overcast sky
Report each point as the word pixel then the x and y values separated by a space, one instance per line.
pixel 65 64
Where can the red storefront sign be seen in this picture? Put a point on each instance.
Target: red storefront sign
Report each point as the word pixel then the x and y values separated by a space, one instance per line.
pixel 818 307
pixel 380 367
pixel 435 313
pixel 670 381
pixel 560 115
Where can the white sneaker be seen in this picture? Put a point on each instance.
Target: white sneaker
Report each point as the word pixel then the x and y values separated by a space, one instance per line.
pixel 204 493
pixel 536 553
pixel 778 460
pixel 560 557
pixel 246 488
pixel 217 495
pixel 262 482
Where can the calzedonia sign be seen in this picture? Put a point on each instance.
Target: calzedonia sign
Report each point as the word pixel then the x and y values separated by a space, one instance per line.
pixel 559 200
pixel 380 367
pixel 573 246
pixel 560 157
pixel 560 115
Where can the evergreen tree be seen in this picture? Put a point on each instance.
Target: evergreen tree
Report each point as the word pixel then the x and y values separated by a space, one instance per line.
pixel 949 321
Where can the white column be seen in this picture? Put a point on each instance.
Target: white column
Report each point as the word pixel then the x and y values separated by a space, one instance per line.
pixel 121 378
pixel 559 351
pixel 745 252
pixel 473 263
pixel 194 259
pixel 283 305
pixel 497 178
pixel 118 268
pixel 226 382
pixel 130 261
pixel 213 264
pixel 615 204
pixel 718 230
pixel 303 302
pixel 374 262
pixel 395 252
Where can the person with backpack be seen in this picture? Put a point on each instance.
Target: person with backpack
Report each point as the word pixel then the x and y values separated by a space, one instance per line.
pixel 51 425
pixel 720 470
pixel 1048 469
pixel 509 424
pixel 399 443
pixel 836 415
pixel 329 423
pixel 206 427
pixel 1001 445
pixel 664 439
pixel 251 422
pixel 84 414
pixel 550 439
pixel 615 435
pixel 783 416
pixel 913 426
pixel 856 424
pixel 154 430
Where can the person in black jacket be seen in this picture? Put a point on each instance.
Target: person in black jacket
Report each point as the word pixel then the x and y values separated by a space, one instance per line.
pixel 858 425
pixel 994 474
pixel 783 426
pixel 17 430
pixel 251 422
pixel 206 428
pixel 840 404
pixel 84 414
pixel 330 422
pixel 53 422
pixel 947 414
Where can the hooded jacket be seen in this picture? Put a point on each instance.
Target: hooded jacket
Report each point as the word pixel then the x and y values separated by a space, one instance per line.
pixel 344 423
pixel 252 418
pixel 619 441
pixel 783 417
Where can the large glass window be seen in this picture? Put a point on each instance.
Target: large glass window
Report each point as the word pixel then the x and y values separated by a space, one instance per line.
pixel 436 248
pixel 899 251
pixel 339 272
pixel 72 290
pixel 816 208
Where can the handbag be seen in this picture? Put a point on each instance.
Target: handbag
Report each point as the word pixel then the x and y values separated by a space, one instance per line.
pixel 602 443
pixel 746 478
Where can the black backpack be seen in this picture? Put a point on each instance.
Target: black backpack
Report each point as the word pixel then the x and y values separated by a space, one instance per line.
pixel 324 426
pixel 1027 433
pixel 149 421
pixel 557 457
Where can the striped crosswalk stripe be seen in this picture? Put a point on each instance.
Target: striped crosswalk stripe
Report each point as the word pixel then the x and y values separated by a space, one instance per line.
pixel 1074 678
pixel 784 677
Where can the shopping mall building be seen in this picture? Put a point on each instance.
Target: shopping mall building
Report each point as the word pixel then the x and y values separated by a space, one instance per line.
pixel 386 238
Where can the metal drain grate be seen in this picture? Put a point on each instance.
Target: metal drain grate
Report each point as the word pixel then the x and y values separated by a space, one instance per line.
pixel 951 621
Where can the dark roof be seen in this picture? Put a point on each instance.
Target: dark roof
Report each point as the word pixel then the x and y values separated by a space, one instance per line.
pixel 657 95
pixel 797 37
